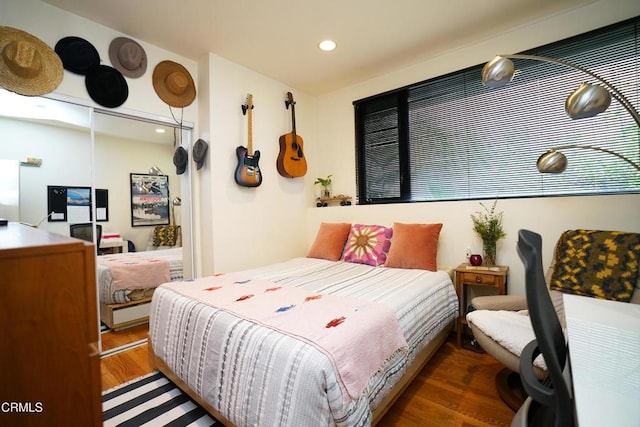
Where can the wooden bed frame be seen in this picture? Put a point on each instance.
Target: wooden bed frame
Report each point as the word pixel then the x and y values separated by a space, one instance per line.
pixel 412 371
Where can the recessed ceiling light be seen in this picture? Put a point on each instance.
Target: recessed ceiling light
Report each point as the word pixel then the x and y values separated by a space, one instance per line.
pixel 160 130
pixel 327 45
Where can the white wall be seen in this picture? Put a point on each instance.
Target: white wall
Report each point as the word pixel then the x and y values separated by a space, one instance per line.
pixel 547 216
pixel 242 227
pixel 252 226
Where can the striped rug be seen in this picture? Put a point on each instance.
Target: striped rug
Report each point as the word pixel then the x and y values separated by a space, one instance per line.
pixel 152 400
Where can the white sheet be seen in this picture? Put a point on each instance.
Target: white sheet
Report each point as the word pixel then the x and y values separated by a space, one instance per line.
pixel 256 376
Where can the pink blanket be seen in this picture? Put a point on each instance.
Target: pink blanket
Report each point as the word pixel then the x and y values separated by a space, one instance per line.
pixel 135 272
pixel 358 336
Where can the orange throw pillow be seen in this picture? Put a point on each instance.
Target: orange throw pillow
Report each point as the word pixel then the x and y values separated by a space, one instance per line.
pixel 414 246
pixel 330 241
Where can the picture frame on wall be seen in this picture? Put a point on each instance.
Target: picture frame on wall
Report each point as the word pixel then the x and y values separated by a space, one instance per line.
pixel 75 204
pixel 149 199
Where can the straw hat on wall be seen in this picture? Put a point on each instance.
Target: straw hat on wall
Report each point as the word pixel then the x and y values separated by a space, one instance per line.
pixel 28 66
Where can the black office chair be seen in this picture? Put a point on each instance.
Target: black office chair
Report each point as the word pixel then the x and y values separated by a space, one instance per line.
pixel 550 401
pixel 84 231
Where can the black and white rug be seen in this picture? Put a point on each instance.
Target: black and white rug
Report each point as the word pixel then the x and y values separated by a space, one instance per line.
pixel 152 400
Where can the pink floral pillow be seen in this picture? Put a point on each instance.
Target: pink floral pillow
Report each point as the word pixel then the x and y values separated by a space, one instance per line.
pixel 367 244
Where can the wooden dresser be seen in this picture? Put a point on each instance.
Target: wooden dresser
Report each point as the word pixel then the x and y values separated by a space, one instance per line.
pixel 49 358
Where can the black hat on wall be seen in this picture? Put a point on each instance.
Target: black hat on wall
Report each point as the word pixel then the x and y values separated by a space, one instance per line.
pixel 106 86
pixel 77 54
pixel 180 158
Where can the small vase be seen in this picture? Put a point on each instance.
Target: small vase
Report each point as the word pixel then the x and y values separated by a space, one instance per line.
pixel 326 191
pixel 489 254
pixel 475 260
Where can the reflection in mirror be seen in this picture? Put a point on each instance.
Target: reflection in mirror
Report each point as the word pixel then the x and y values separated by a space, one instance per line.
pixel 134 164
pixel 58 143
pixel 51 142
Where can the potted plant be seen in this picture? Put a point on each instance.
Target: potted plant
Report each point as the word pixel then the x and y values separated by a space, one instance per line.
pixel 326 186
pixel 488 225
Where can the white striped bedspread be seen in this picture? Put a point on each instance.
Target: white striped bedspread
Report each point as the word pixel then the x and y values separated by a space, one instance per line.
pixel 256 376
pixel 111 296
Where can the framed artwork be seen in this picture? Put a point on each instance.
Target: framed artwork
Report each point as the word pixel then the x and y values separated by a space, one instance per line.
pixel 149 199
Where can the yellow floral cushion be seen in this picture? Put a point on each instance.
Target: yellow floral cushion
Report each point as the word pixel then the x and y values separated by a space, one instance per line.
pixel 601 264
pixel 166 235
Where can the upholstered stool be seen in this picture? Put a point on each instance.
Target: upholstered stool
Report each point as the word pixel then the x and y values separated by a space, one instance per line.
pixel 501 326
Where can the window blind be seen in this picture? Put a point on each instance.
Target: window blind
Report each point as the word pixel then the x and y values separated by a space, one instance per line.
pixel 451 138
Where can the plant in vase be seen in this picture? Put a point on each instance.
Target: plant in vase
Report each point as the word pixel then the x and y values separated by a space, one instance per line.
pixel 488 225
pixel 326 186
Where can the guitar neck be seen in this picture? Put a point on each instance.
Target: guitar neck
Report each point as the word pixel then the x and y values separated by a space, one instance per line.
pixel 249 131
pixel 249 126
pixel 293 121
pixel 292 103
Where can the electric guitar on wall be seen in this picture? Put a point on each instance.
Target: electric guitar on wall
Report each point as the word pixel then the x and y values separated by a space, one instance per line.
pixel 248 172
pixel 291 161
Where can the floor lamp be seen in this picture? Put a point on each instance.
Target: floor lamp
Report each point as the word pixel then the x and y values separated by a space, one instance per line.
pixel 588 100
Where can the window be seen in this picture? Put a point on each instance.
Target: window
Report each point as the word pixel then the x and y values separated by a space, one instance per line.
pixel 451 138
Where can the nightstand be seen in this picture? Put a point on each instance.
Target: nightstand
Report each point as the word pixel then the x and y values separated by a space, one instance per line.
pixel 468 275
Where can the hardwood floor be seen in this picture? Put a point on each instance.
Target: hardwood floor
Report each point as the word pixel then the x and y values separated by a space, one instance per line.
pixel 456 388
pixel 113 339
pixel 122 367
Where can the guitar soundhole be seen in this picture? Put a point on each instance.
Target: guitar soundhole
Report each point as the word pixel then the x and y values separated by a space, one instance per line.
pixel 296 147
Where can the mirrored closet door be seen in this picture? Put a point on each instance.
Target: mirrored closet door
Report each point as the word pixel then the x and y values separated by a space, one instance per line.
pixel 60 153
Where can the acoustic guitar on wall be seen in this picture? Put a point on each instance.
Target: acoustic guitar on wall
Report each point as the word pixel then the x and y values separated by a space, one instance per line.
pixel 291 161
pixel 248 171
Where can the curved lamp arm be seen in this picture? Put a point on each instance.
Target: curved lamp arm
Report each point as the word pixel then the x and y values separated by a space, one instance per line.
pixel 499 71
pixel 586 101
pixel 554 161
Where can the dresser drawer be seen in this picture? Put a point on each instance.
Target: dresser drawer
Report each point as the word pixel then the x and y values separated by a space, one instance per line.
pixel 479 279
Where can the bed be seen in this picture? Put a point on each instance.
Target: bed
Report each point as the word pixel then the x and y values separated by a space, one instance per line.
pixel 127 281
pixel 247 373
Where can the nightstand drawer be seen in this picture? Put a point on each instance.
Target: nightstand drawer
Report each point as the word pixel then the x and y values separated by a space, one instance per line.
pixel 479 279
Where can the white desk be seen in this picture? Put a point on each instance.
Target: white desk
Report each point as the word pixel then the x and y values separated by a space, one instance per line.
pixel 115 243
pixel 604 349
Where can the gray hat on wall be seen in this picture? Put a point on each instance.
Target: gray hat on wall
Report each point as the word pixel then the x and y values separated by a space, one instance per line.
pixel 128 57
pixel 200 152
pixel 180 160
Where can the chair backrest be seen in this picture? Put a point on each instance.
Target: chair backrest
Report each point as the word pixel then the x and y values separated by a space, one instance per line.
pixel 554 392
pixel 84 231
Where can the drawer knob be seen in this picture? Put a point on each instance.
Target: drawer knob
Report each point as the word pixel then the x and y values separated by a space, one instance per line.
pixel 478 279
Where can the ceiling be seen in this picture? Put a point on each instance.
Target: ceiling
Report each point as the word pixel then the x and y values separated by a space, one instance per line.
pixel 278 38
